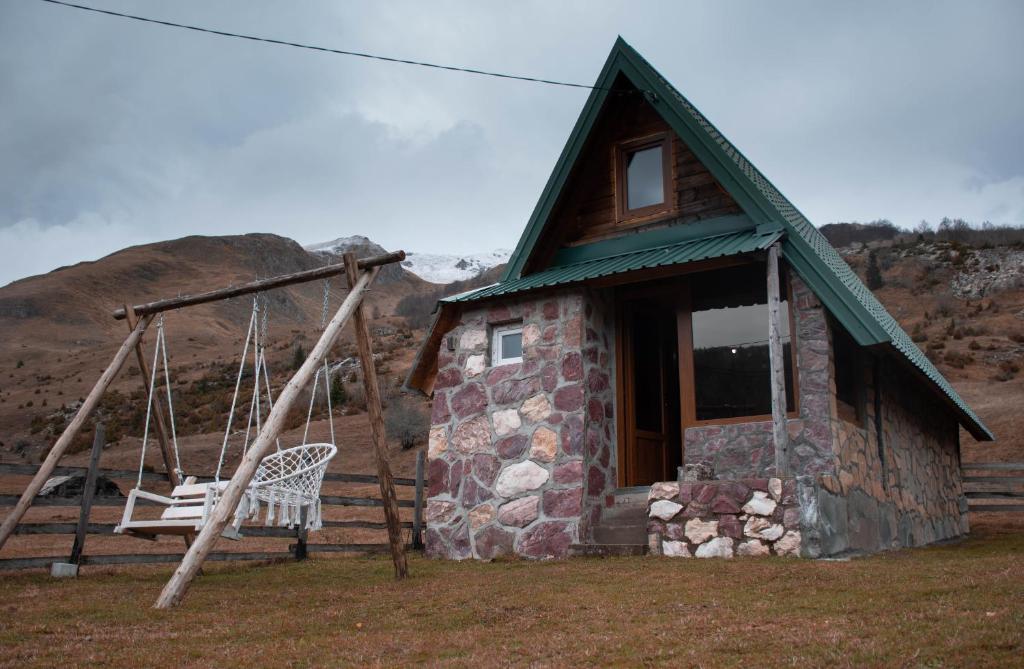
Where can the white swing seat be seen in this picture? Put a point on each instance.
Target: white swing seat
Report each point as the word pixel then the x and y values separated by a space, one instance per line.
pixel 187 510
pixel 288 481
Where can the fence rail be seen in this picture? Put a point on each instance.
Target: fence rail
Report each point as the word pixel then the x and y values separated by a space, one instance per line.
pixel 297 550
pixel 999 492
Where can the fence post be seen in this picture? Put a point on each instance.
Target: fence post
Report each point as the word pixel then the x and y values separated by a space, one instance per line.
pixel 302 534
pixel 70 568
pixel 417 518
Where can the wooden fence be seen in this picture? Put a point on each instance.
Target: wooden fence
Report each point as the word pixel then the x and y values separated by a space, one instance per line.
pixel 298 550
pixel 994 486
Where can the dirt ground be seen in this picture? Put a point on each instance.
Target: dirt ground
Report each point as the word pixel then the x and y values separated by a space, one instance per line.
pixel 956 605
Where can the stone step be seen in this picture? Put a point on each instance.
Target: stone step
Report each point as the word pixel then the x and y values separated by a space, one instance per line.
pixel 620 533
pixel 607 550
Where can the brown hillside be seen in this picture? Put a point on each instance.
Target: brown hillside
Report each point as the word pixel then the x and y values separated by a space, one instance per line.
pixel 964 306
pixel 56 333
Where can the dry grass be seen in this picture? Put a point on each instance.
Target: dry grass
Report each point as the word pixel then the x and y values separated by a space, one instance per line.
pixel 956 605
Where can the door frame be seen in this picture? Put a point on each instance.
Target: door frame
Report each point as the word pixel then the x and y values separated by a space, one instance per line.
pixel 623 407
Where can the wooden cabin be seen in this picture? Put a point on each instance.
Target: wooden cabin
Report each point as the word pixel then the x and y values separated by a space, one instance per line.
pixel 676 361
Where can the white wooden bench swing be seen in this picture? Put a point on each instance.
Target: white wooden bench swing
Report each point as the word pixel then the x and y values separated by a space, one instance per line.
pixel 286 481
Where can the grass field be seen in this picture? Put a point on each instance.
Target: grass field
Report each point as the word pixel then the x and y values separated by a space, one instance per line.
pixel 953 605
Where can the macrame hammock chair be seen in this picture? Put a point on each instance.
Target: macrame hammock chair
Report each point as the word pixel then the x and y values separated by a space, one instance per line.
pixel 286 484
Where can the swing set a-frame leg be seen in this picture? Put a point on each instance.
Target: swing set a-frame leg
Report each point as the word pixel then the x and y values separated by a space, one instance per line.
pixel 190 565
pixel 72 430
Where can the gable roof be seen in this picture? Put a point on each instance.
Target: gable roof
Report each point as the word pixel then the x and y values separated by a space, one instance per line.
pixel 804 247
pixel 765 210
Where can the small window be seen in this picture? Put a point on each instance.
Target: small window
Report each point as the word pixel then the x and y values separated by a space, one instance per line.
pixel 507 345
pixel 643 170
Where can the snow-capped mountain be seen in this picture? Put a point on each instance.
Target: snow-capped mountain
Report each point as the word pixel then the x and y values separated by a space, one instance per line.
pixel 336 247
pixel 433 267
pixel 444 268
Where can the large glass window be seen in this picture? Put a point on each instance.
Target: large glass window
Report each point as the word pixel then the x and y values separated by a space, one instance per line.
pixel 731 366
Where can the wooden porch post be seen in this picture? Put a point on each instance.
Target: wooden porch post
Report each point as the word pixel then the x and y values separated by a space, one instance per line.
pixel 777 358
pixel 72 430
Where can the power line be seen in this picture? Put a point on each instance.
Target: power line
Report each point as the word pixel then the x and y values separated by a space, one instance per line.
pixel 341 52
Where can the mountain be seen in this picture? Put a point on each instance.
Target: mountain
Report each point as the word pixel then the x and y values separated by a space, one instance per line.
pixel 433 267
pixel 442 268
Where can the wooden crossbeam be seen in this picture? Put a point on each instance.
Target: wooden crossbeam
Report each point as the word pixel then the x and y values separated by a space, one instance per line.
pixel 258 286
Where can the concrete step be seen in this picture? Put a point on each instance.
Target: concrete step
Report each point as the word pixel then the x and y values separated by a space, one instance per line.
pixel 607 550
pixel 620 533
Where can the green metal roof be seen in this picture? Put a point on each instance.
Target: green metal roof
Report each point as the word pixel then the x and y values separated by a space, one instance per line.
pixel 705 248
pixel 805 248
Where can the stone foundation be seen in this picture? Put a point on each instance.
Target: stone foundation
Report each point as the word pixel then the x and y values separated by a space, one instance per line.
pixel 747 517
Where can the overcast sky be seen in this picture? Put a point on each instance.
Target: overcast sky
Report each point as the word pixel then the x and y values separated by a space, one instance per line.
pixel 115 133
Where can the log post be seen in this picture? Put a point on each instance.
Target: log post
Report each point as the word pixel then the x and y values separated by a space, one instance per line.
pixel 302 535
pixel 178 584
pixel 377 433
pixel 98 440
pixel 417 518
pixel 72 430
pixel 777 359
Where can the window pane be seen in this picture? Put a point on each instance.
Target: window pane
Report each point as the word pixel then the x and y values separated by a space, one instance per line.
pixel 511 345
pixel 644 178
pixel 732 371
pixel 647 375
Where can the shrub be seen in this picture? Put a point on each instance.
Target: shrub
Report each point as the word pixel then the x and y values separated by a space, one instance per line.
pixel 1007 370
pixel 338 394
pixel 407 422
pixel 20 364
pixel 298 357
pixel 874 274
pixel 974 345
pixel 958 360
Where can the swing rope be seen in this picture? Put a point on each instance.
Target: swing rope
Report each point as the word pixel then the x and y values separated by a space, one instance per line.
pixel 234 397
pixel 159 351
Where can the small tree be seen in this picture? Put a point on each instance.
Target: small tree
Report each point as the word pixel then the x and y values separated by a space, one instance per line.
pixel 298 357
pixel 407 422
pixel 338 393
pixel 874 274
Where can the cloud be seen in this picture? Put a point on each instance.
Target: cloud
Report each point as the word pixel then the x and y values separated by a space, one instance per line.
pixel 116 132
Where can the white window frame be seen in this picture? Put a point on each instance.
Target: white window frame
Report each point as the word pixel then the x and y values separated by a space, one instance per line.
pixel 496 335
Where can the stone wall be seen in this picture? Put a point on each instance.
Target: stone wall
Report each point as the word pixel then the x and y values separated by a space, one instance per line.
pixel 746 450
pixel 599 369
pixel 516 449
pixel 748 517
pixel 908 493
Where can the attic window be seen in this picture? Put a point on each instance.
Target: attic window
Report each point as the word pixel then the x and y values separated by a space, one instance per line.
pixel 643 176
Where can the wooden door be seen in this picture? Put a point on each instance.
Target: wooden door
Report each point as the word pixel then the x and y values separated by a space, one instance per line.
pixel 650 393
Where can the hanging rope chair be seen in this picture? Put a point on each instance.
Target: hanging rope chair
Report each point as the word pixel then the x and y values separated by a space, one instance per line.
pixel 287 481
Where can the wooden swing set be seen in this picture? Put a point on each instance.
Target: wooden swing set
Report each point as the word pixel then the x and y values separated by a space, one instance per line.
pixel 289 478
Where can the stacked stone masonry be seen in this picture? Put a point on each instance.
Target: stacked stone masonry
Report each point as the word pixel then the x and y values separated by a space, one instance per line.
pixel 747 518
pixel 520 455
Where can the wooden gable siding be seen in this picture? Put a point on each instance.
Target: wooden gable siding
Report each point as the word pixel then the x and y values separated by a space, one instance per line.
pixel 588 210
